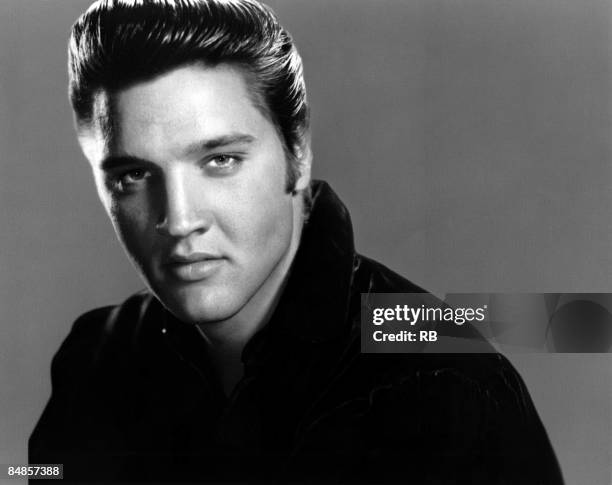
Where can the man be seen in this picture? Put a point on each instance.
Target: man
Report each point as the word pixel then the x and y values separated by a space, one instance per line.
pixel 241 362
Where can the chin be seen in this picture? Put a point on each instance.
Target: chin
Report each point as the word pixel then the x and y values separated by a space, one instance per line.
pixel 198 307
pixel 202 315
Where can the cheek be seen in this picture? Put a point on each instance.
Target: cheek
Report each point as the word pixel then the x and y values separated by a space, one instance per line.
pixel 274 226
pixel 263 218
pixel 130 222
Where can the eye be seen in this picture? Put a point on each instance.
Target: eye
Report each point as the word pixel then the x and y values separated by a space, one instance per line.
pixel 223 163
pixel 130 178
pixel 134 175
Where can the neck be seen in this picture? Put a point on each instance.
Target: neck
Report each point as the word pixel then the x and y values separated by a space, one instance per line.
pixel 228 338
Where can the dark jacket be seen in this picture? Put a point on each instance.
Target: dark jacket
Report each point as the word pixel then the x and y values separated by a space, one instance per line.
pixel 134 397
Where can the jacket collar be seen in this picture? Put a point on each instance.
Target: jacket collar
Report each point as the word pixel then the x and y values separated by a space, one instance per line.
pixel 315 302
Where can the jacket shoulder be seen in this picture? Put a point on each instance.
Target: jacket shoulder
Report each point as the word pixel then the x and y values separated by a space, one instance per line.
pixel 96 328
pixel 463 416
pixel 83 372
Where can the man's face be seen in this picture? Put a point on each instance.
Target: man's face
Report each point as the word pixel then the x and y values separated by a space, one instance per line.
pixel 192 175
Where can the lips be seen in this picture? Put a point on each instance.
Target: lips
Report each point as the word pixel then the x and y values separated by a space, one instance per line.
pixel 194 266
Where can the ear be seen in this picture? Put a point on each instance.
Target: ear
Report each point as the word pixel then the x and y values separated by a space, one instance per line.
pixel 304 159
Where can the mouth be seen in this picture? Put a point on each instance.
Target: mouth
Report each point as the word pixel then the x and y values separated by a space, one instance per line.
pixel 193 267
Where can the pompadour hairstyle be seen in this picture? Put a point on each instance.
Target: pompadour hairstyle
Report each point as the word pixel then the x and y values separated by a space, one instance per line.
pixel 117 43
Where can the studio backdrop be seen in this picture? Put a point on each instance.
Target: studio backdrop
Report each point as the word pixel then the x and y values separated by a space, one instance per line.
pixel 470 140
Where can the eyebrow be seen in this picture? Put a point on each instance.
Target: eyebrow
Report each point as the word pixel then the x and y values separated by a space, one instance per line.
pixel 113 162
pixel 219 142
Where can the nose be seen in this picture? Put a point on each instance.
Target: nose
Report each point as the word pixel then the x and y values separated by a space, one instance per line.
pixel 182 213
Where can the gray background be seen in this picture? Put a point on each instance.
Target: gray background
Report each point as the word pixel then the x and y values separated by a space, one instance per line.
pixel 469 138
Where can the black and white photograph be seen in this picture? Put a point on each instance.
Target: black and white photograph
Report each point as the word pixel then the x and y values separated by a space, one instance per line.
pixel 306 241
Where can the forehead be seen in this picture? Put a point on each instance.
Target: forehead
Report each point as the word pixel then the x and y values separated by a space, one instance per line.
pixel 169 111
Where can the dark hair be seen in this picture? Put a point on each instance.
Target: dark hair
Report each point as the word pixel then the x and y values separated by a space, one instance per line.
pixel 116 43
